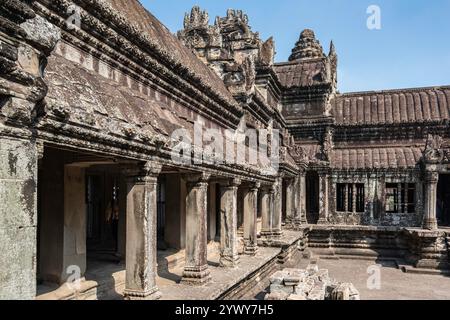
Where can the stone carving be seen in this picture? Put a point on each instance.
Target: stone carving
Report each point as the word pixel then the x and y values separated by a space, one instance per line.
pixel 433 153
pixel 229 47
pixel 327 146
pixel 310 284
pixel 197 19
pixel 298 153
pixel 307 47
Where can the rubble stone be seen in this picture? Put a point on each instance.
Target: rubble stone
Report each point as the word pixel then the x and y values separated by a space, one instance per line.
pixel 310 284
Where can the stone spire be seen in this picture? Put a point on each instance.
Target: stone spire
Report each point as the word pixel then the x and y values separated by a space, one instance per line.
pixel 332 49
pixel 307 47
pixel 197 19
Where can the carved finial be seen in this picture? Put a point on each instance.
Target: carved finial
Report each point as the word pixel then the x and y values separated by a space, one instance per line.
pixel 196 19
pixel 230 14
pixel 332 49
pixel 307 47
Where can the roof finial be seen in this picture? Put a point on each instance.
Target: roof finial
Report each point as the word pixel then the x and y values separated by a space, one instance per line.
pixel 332 49
pixel 307 47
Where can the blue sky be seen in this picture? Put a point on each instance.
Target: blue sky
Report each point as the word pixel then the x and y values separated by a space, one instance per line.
pixel 412 49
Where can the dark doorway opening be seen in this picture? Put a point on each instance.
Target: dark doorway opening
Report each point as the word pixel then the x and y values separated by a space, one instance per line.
pixel 443 201
pixel 312 197
pixel 161 214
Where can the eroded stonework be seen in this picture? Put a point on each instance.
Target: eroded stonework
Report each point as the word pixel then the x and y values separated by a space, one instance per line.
pixel 91 110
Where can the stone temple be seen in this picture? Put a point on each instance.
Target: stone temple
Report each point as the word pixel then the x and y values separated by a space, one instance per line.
pixel 91 94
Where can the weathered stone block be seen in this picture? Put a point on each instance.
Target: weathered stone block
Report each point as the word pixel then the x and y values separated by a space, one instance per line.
pixel 281 288
pixel 296 297
pixel 17 263
pixel 279 295
pixel 277 278
pixel 345 291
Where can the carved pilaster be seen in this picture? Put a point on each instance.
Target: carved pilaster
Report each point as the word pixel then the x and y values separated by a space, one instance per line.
pixel 323 198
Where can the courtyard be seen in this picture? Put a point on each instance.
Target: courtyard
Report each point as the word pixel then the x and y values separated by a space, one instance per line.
pixel 395 284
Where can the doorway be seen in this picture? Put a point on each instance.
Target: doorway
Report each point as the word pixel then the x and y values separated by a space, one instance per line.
pixel 443 201
pixel 312 197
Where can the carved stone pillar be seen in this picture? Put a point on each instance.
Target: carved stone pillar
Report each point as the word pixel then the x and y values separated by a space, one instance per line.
pixel 229 256
pixel 290 193
pixel 267 210
pixel 431 182
pixel 296 200
pixel 277 200
pixel 196 268
pixel 323 198
pixel 250 219
pixel 303 198
pixel 141 251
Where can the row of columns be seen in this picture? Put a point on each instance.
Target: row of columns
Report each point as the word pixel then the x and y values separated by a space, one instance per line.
pixel 141 243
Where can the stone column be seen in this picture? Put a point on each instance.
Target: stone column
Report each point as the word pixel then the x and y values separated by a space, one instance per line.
pixel 74 243
pixel 296 199
pixel 229 256
pixel 277 208
pixel 266 211
pixel 289 201
pixel 250 220
pixel 431 182
pixel 141 251
pixel 196 268
pixel 323 198
pixel 18 219
pixel 303 198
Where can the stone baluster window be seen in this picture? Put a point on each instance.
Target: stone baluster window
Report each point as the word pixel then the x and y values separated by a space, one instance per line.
pixel 350 197
pixel 400 198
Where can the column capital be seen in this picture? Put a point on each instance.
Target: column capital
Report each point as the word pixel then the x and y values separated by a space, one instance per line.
pixel 431 177
pixel 269 188
pixel 143 171
pixel 231 183
pixel 197 178
pixel 255 186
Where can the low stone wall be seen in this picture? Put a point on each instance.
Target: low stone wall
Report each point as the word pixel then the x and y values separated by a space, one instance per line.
pixel 420 248
pixel 361 241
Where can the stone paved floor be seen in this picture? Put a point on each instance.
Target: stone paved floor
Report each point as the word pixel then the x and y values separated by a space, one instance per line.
pixel 395 285
pixel 222 279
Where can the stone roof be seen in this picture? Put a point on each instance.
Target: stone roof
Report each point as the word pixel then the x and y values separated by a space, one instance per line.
pixel 86 93
pixel 136 14
pixel 301 73
pixel 376 158
pixel 394 106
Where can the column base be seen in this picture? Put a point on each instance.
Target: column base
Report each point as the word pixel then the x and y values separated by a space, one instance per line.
pixel 323 221
pixel 430 224
pixel 273 234
pixel 229 261
pixel 251 249
pixel 196 275
pixel 153 294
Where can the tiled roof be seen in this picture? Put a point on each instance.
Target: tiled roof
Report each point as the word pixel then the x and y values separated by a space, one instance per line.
pixel 301 74
pixel 396 106
pixel 87 91
pixel 376 158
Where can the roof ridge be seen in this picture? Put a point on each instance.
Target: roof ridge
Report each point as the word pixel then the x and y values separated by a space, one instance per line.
pixel 400 90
